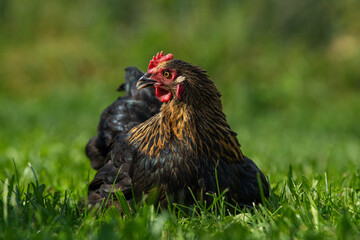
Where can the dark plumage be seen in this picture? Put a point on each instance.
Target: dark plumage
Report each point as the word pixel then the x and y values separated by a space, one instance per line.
pixel 174 150
pixel 122 115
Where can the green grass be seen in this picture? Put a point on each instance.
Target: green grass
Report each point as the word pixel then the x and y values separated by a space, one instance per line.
pixel 289 77
pixel 302 209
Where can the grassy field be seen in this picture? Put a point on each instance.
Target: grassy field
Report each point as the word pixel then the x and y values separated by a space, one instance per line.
pixel 289 77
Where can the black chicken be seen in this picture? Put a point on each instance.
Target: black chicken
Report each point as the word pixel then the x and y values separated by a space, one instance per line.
pixel 121 116
pixel 173 150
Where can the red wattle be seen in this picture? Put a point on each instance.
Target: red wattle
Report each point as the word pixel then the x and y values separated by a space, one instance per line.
pixel 162 94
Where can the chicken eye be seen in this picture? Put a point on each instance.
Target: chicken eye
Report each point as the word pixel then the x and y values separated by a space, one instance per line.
pixel 166 74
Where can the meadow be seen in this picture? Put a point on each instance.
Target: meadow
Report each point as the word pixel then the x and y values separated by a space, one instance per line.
pixel 290 84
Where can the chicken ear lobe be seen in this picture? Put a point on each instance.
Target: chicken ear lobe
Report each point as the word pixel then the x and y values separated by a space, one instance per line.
pixel 179 91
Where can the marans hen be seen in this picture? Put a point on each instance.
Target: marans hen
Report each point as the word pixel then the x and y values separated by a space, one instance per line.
pixel 177 149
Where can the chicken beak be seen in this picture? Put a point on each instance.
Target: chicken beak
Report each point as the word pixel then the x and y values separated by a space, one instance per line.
pixel 145 81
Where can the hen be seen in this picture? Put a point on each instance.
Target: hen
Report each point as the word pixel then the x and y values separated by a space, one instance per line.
pixel 184 147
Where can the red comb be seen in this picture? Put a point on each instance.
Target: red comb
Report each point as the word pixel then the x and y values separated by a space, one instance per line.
pixel 160 57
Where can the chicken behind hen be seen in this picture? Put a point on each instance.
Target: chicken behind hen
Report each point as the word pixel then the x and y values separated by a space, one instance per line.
pixel 122 115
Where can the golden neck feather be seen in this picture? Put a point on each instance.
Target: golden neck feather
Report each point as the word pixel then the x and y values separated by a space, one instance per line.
pixel 189 128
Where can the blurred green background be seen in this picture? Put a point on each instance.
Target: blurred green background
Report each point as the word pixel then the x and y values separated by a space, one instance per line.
pixel 288 71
